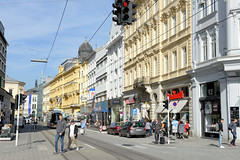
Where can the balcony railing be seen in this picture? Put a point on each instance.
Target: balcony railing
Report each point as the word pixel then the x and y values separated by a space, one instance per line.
pixel 140 82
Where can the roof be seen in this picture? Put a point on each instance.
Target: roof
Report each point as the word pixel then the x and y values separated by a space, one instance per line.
pixel 9 79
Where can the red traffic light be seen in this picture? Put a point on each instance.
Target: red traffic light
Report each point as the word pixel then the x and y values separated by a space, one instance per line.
pixel 125 3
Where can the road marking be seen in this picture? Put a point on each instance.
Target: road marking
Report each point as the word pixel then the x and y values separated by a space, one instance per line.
pixel 157 145
pixel 89 146
pixel 139 146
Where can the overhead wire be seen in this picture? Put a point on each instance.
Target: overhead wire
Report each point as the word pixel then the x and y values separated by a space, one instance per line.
pixel 55 37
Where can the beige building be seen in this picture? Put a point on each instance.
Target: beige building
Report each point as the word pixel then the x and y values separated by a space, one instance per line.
pixel 13 86
pixel 157 56
pixel 46 103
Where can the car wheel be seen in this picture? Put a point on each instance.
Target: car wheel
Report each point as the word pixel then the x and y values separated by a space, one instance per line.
pixel 120 134
pixel 128 135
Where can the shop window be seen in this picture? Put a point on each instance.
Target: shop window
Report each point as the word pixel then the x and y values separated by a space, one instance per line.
pixel 185 92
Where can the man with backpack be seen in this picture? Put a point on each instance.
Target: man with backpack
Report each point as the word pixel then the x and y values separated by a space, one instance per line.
pixel 233 127
pixel 219 128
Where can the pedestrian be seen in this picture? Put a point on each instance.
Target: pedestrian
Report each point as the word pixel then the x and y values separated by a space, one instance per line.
pixel 151 127
pixel 181 129
pixel 72 135
pixel 187 128
pixel 153 124
pixel 35 124
pixel 148 127
pixel 83 126
pixel 220 130
pixel 61 127
pixel 157 128
pixel 233 126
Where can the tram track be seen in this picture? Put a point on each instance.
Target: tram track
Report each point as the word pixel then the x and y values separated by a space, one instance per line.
pixel 63 155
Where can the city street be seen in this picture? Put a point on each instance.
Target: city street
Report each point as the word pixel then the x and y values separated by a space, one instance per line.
pixel 95 146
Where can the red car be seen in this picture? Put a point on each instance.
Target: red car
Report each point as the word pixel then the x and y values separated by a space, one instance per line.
pixel 114 128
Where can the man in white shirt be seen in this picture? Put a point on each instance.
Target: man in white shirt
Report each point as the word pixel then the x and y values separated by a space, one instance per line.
pixel 72 135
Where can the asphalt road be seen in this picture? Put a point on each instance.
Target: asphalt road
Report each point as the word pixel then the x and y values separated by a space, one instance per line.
pixel 101 146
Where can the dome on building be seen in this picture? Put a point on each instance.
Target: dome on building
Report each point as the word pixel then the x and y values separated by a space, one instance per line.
pixel 84 50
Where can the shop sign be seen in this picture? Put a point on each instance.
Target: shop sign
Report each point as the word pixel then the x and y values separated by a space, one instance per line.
pixel 134 111
pixel 130 100
pixel 116 101
pixel 92 91
pixel 175 96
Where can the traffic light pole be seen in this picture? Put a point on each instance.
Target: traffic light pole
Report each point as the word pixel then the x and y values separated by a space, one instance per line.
pixel 168 121
pixel 18 118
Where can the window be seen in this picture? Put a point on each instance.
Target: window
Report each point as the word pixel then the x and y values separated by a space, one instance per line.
pixel 10 91
pixel 126 79
pixel 204 8
pixel 184 57
pixel 130 78
pixel 165 30
pixel 166 64
pixel 184 19
pixel 174 25
pixel 174 61
pixel 204 50
pixel 139 72
pixel 213 46
pixel 155 67
pixel 165 3
pixel 156 6
pixel 213 5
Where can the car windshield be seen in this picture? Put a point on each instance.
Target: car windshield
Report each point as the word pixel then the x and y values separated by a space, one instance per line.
pixel 137 124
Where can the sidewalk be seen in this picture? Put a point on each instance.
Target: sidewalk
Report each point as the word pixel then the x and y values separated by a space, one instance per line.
pixel 31 145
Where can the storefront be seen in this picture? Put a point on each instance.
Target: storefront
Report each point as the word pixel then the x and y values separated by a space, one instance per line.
pixel 101 112
pixel 116 114
pixel 210 108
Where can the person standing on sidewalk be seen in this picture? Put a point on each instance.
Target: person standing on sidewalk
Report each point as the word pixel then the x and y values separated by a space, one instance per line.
pixel 61 127
pixel 157 128
pixel 233 127
pixel 148 127
pixel 220 130
pixel 72 135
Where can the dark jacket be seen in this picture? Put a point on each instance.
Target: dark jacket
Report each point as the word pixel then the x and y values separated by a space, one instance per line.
pixel 233 126
pixel 157 126
pixel 75 130
pixel 61 126
pixel 220 125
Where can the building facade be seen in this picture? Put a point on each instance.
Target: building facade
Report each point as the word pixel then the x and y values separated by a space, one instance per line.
pixel 115 53
pixel 215 71
pixel 101 102
pixel 46 101
pixel 13 86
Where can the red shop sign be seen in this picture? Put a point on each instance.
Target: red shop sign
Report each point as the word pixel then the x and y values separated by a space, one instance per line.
pixel 175 96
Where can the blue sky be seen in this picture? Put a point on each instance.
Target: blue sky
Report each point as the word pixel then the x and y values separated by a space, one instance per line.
pixel 30 27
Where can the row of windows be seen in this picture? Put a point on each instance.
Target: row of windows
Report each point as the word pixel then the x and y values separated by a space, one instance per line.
pixel 100 65
pixel 100 99
pixel 176 58
pixel 3 50
pixel 208 46
pixel 101 81
pixel 205 9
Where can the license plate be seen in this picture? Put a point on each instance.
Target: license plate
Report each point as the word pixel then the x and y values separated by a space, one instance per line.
pixel 138 129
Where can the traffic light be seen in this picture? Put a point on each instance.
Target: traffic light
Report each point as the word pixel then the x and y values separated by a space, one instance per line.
pixel 165 105
pixel 16 101
pixel 132 12
pixel 125 14
pixel 117 11
pixel 22 98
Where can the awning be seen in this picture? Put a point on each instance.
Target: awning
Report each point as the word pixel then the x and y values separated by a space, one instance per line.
pixel 160 109
pixel 177 106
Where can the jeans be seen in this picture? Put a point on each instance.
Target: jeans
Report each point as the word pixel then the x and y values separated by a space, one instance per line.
pixel 56 142
pixel 234 138
pixel 156 134
pixel 151 130
pixel 220 139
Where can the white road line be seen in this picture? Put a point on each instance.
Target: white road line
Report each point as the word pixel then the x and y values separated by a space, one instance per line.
pixel 89 146
pixel 139 146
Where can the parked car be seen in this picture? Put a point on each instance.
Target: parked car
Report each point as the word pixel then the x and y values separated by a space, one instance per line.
pixel 134 128
pixel 114 128
pixel 28 121
pixel 78 123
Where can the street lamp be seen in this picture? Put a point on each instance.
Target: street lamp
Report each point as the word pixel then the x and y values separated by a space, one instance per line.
pixel 39 60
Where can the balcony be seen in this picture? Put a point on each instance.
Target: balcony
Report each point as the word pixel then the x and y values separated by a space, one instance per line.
pixel 141 82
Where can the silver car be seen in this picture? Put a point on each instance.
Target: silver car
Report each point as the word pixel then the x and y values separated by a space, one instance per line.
pixel 134 128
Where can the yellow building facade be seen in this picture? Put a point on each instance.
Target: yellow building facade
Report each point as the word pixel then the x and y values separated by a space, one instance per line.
pixel 157 56
pixel 69 89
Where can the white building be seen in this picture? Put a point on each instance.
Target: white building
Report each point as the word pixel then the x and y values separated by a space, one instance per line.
pixel 101 102
pixel 31 101
pixel 216 65
pixel 115 53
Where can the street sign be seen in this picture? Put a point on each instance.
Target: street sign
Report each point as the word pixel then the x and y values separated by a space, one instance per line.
pixel 134 111
pixel 92 91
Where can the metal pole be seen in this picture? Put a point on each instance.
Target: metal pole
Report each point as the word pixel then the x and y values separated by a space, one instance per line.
pixel 17 119
pixel 168 121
